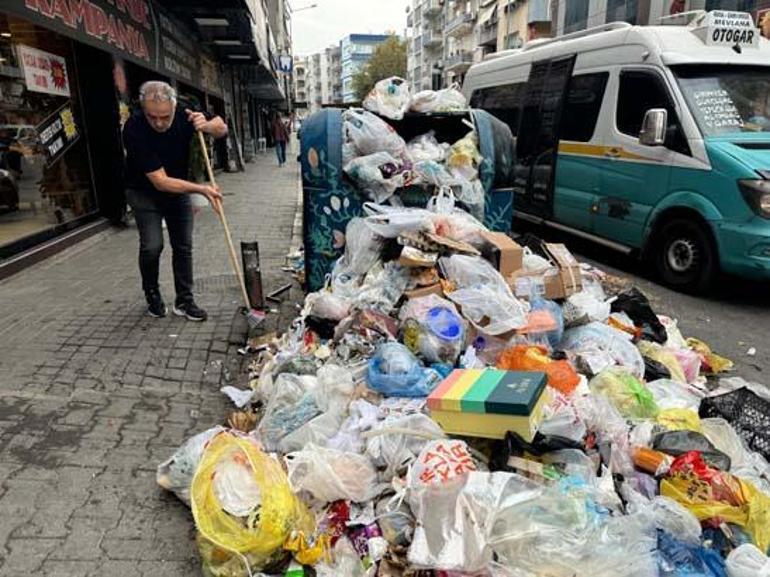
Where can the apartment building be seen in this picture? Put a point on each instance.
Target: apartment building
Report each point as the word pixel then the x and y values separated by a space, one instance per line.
pixel 356 49
pixel 300 85
pixel 574 15
pixel 317 80
pixel 522 21
pixel 460 44
pixel 425 43
pixel 334 74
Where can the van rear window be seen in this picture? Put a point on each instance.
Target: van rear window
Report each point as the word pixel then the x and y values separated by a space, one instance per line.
pixel 503 102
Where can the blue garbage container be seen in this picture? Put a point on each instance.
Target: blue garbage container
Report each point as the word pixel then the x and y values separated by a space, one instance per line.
pixel 331 200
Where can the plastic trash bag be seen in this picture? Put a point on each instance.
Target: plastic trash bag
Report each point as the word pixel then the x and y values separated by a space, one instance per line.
pixel 679 559
pixel 747 561
pixel 747 412
pixel 292 405
pixel 394 371
pixel 367 134
pixel 561 375
pixel 712 363
pixel 345 561
pixel 601 417
pixel 432 173
pixel 395 520
pixel 235 487
pixel 427 148
pixel 670 394
pixel 690 361
pixel 389 97
pixel 326 305
pixel 233 547
pixel 545 323
pixel 584 307
pixel 626 392
pixel 176 473
pixel 563 421
pixel 445 100
pixel 464 157
pixel 598 337
pixel 331 475
pixel 483 295
pixel 676 443
pixel 664 356
pixel 382 288
pixel 470 193
pixel 397 441
pixel 679 420
pixel 433 329
pixel 636 305
pixel 745 464
pixel 379 175
pixel 676 520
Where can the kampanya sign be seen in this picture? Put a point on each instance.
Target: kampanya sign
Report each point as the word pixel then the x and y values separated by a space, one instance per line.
pixel 123 27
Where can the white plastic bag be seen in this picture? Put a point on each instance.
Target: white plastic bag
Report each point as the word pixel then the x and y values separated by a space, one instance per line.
pixel 366 134
pixel 395 442
pixel 379 175
pixel 330 475
pixel 176 473
pixel 747 561
pixel 446 100
pixel 598 337
pixel 389 97
pixel 427 148
pixel 235 486
pixel 670 394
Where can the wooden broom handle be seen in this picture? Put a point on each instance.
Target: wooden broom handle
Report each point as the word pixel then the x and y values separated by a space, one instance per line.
pixel 223 220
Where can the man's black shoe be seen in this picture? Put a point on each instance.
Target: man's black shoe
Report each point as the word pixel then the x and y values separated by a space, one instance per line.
pixel 155 305
pixel 191 311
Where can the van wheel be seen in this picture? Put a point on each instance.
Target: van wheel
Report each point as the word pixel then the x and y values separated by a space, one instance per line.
pixel 685 255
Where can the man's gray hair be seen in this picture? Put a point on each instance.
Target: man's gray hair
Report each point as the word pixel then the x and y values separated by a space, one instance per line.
pixel 157 91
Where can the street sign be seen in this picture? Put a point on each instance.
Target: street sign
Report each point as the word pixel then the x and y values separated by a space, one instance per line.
pixel 285 62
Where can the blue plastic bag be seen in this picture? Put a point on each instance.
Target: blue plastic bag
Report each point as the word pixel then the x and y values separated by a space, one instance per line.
pixel 677 559
pixel 395 372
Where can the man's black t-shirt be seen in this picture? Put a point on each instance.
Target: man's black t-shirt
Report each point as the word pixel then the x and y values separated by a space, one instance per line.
pixel 148 150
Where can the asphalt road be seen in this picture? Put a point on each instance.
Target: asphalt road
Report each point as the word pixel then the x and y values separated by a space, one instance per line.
pixel 732 319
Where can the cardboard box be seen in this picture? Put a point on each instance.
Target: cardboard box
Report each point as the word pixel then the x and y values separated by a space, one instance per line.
pixel 503 252
pixel 560 282
pixel 489 403
pixel 434 289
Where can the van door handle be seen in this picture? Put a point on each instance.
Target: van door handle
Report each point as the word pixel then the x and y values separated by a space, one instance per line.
pixel 612 153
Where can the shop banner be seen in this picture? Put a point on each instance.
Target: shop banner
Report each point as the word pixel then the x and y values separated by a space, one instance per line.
pixel 43 71
pixel 58 133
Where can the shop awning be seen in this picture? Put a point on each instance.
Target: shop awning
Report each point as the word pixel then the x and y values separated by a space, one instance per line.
pixel 486 15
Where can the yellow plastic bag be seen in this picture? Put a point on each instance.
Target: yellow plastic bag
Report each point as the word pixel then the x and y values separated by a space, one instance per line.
pixel 713 364
pixel 665 357
pixel 751 510
pixel 237 547
pixel 679 420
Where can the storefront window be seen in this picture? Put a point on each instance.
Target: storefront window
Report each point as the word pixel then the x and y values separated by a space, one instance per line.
pixel 45 181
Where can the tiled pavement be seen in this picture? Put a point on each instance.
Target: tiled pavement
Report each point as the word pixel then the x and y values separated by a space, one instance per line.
pixel 93 394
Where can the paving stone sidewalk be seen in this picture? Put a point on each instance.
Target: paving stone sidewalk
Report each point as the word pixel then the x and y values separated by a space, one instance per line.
pixel 94 394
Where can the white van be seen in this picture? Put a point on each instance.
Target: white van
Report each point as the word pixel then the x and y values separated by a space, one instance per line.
pixel 654 140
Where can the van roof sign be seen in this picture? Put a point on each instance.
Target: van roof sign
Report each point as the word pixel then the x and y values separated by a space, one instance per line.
pixel 729 29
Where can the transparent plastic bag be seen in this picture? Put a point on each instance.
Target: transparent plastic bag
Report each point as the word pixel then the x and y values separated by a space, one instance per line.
pixel 326 305
pixel 626 393
pixel 545 322
pixel 432 173
pixel 382 288
pixel 464 157
pixel 379 175
pixel 433 329
pixel 176 473
pixel 292 405
pixel 470 192
pixel 331 475
pixel 664 356
pixel 397 441
pixel 394 371
pixel 670 394
pixel 597 337
pixel 747 561
pixel 561 375
pixel 228 545
pixel 366 133
pixel 426 148
pixel 445 100
pixel 389 97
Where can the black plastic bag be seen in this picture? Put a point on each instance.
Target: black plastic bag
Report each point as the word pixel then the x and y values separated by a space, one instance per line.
pixel 677 443
pixel 653 370
pixel 635 305
pixel 515 446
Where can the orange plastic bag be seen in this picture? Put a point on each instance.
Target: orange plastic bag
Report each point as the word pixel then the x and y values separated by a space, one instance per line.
pixel 561 375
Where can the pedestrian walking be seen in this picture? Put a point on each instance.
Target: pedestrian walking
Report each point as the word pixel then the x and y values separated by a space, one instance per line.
pixel 157 142
pixel 281 137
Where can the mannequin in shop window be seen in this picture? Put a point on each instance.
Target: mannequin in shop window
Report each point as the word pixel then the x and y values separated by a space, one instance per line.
pixel 157 142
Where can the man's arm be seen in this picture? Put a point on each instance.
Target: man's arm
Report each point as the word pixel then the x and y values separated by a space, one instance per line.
pixel 216 127
pixel 164 183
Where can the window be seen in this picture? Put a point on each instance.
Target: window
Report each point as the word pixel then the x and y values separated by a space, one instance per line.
pixel 584 101
pixel 622 11
pixel 503 102
pixel 576 15
pixel 739 5
pixel 639 92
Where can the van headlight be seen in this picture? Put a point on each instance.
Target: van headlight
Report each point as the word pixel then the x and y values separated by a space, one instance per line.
pixel 757 195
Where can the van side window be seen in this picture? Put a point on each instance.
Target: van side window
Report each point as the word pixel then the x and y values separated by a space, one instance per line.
pixel 503 102
pixel 639 92
pixel 584 101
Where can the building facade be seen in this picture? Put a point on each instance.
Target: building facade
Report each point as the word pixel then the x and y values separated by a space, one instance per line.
pixel 425 43
pixel 574 15
pixel 334 74
pixel 356 50
pixel 523 21
pixel 69 78
pixel 300 86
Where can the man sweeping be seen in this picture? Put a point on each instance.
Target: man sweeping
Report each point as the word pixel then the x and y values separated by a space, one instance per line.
pixel 157 142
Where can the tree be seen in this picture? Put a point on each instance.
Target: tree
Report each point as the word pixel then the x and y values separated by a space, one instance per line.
pixel 388 59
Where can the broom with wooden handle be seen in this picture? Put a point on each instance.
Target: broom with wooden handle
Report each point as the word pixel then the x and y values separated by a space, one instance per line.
pixel 253 316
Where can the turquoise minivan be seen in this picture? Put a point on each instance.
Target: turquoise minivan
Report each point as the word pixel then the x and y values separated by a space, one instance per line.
pixel 652 140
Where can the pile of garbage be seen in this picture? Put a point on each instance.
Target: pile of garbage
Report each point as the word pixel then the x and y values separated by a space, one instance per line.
pixel 459 403
pixel 380 162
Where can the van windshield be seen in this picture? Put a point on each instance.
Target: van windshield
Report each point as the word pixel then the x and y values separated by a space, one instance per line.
pixel 727 99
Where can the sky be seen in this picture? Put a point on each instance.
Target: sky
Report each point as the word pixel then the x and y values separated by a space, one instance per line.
pixel 316 28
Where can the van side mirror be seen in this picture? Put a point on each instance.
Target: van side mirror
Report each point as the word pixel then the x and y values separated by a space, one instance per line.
pixel 654 127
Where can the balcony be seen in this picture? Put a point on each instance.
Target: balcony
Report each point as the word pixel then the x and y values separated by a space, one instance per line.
pixel 432 8
pixel 432 39
pixel 538 11
pixel 487 36
pixel 410 20
pixel 460 25
pixel 459 62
